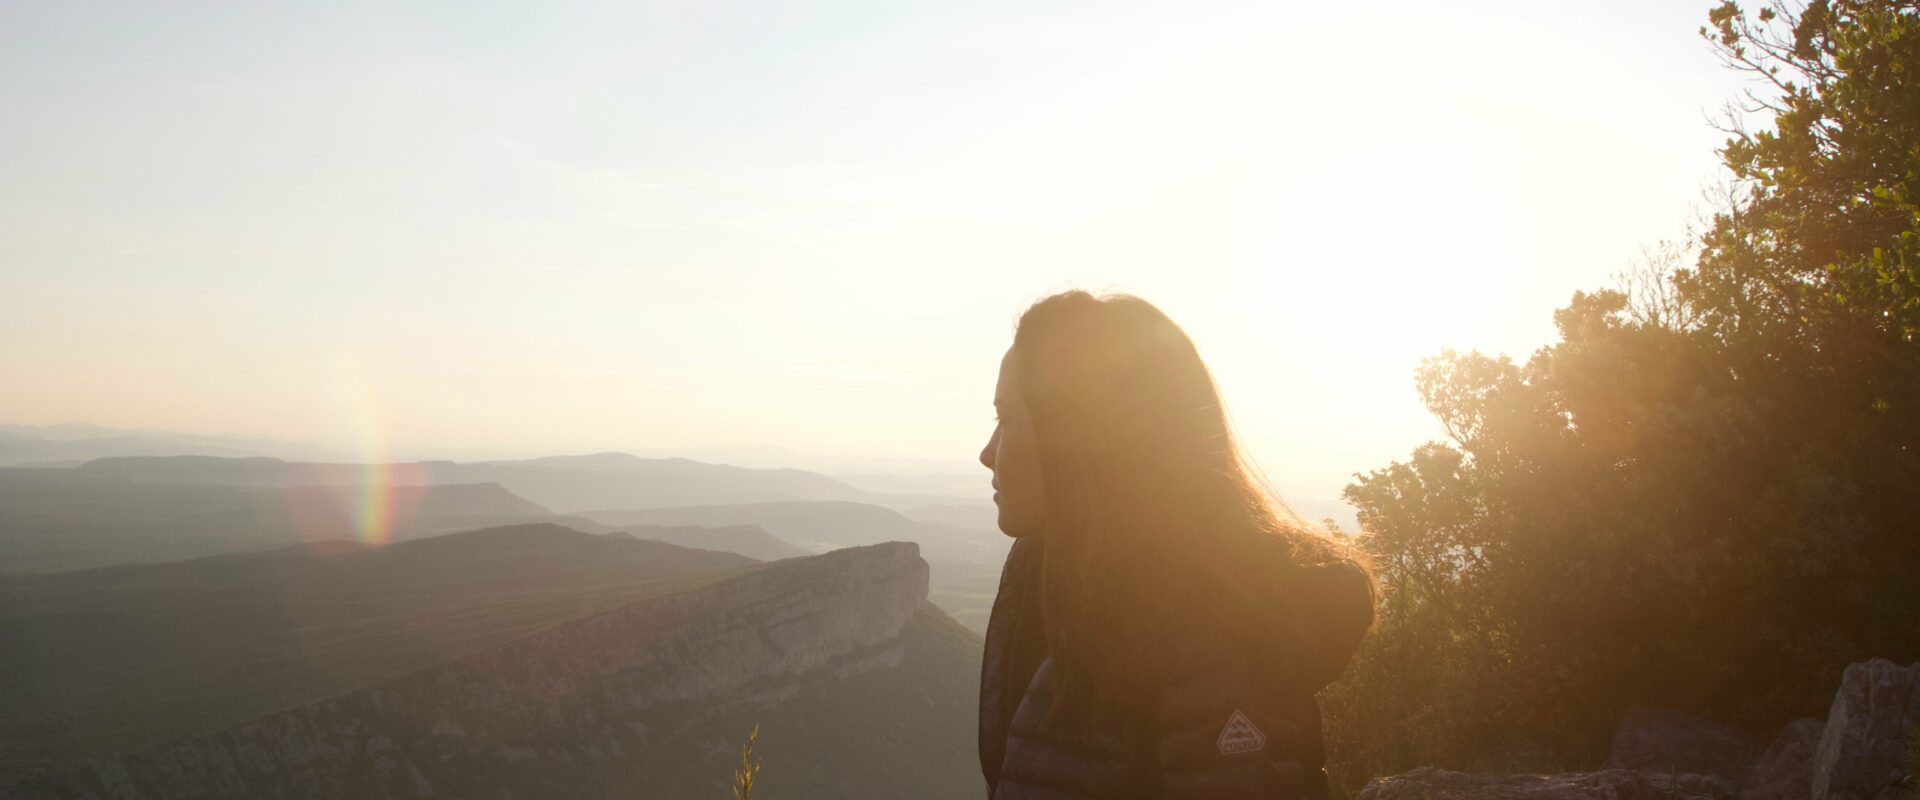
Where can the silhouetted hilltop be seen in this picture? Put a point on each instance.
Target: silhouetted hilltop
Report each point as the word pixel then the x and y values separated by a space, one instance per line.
pixel 57 519
pixel 860 687
pixel 966 560
pixel 128 656
pixel 751 541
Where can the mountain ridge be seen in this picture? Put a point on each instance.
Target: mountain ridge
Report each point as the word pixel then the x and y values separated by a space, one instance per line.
pixel 575 709
pixel 122 657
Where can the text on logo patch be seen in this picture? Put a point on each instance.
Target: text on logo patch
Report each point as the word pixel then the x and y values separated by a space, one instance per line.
pixel 1239 736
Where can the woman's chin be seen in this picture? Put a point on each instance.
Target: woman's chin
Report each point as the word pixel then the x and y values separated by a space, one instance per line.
pixel 1012 525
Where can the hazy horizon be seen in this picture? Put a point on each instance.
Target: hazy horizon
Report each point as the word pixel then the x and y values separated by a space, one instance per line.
pixel 750 456
pixel 579 228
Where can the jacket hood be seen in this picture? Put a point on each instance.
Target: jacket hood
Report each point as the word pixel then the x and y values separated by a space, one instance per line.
pixel 1307 618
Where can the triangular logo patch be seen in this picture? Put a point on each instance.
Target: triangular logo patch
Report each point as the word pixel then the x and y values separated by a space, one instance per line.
pixel 1239 736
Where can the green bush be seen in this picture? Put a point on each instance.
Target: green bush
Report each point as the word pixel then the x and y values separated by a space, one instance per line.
pixel 1701 496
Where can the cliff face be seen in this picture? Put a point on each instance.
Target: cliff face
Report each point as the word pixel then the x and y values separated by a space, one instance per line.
pixel 127 658
pixel 617 702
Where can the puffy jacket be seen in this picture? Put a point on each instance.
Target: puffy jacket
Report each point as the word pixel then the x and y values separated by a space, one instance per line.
pixel 1225 719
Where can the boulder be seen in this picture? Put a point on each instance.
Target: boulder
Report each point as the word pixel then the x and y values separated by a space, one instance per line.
pixel 1785 770
pixel 1865 752
pixel 1515 756
pixel 1430 783
pixel 1663 740
pixel 1866 749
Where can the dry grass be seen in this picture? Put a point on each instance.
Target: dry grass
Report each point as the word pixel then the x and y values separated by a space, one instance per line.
pixel 749 769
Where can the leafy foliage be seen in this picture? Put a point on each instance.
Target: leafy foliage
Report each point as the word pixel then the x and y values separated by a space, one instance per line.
pixel 1706 493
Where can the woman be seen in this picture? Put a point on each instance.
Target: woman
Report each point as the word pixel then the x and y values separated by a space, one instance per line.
pixel 1162 623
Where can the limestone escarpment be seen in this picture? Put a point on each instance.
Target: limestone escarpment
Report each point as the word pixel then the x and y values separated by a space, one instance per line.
pixel 612 700
pixel 127 658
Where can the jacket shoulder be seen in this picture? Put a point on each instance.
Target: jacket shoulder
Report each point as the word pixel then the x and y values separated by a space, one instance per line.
pixel 1223 726
pixel 1220 734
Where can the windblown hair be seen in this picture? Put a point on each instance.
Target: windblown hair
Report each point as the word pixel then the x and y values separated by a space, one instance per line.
pixel 1150 501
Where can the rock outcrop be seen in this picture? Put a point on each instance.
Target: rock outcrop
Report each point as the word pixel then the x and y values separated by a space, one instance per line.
pixel 1785 770
pixel 1429 783
pixel 1866 750
pixel 570 711
pixel 1667 740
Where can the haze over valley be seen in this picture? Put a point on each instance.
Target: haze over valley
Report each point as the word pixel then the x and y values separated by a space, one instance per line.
pixel 467 625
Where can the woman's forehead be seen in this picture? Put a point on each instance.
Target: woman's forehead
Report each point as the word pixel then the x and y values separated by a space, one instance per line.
pixel 1005 390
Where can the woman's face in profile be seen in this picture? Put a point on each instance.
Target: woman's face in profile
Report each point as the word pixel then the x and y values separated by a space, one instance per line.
pixel 1012 455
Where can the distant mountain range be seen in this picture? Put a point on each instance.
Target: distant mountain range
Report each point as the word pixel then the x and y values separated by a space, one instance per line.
pixel 73 444
pixel 59 519
pixel 159 508
pixel 525 662
pixel 565 484
pixel 821 525
pixel 752 541
pixel 895 483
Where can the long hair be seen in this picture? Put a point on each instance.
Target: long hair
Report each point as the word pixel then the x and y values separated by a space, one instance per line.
pixel 1149 498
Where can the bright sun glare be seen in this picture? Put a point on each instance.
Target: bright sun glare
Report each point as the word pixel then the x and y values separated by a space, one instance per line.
pixel 812 231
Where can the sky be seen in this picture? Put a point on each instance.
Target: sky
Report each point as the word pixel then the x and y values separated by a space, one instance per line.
pixel 581 226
